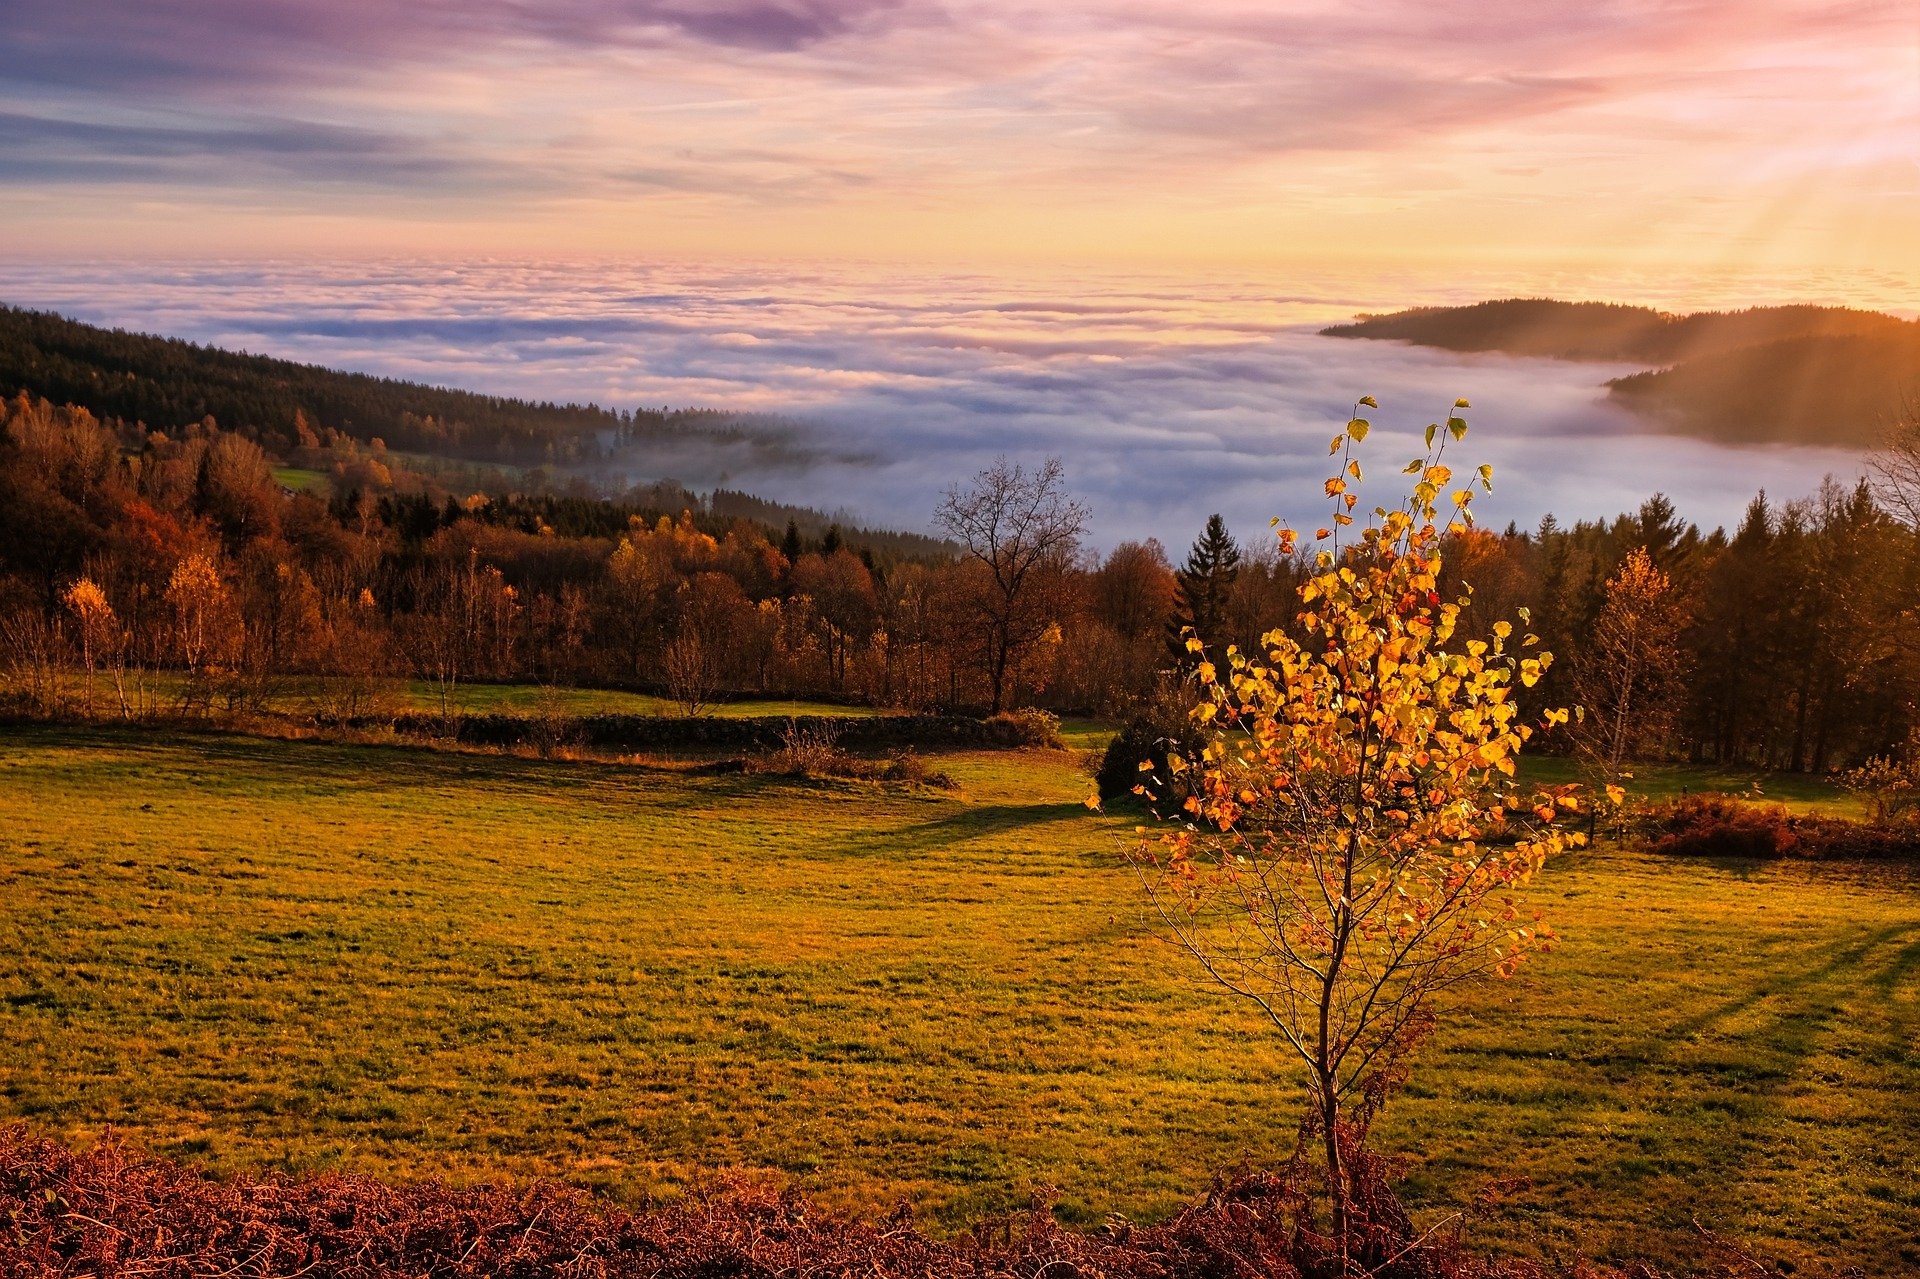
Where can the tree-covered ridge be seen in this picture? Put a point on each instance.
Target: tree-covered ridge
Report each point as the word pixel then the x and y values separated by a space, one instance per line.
pixel 1767 375
pixel 1610 330
pixel 167 383
pixel 1842 390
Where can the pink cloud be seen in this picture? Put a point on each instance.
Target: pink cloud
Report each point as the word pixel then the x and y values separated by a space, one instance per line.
pixel 756 109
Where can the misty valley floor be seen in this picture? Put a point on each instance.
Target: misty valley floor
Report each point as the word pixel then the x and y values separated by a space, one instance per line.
pixel 259 954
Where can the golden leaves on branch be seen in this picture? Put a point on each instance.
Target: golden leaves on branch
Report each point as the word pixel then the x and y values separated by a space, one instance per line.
pixel 1354 830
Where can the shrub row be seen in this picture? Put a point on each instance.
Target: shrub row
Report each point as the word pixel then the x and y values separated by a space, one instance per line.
pixel 876 733
pixel 1721 826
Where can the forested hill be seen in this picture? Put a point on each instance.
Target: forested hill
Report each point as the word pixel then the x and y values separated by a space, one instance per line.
pixel 1610 331
pixel 168 383
pixel 1767 375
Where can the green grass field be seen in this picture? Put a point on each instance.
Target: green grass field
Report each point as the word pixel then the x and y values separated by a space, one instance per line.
pixel 259 954
pixel 300 480
pixel 1800 792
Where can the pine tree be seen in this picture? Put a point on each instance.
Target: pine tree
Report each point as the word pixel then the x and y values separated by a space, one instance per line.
pixel 790 545
pixel 1205 582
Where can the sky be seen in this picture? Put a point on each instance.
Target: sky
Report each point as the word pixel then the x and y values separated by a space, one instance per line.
pixel 1209 133
pixel 930 232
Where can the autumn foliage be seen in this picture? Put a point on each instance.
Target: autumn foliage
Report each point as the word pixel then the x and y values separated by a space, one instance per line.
pixel 225 592
pixel 1354 842
pixel 1629 687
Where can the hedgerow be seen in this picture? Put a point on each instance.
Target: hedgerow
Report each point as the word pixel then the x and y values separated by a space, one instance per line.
pixel 1723 826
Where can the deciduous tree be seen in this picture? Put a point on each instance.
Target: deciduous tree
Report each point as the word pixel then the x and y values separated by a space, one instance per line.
pixel 1355 842
pixel 1022 528
pixel 1628 678
pixel 202 607
pixel 1896 466
pixel 95 624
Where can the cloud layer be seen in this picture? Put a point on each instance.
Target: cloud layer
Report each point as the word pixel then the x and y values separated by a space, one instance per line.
pixel 1168 398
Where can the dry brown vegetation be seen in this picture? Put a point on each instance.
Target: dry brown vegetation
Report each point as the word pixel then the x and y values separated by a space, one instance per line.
pixel 108 1211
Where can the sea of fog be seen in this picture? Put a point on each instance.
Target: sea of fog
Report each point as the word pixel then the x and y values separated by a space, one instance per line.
pixel 1166 397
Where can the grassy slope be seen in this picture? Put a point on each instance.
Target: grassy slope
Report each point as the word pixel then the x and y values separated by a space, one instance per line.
pixel 300 479
pixel 262 953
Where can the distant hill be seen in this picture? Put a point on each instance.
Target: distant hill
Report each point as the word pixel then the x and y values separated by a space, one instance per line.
pixel 168 383
pixel 1781 374
pixel 1608 330
pixel 1840 391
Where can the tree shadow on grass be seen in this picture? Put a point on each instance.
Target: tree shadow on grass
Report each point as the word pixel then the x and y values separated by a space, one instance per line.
pixel 1705 1062
pixel 973 822
pixel 236 763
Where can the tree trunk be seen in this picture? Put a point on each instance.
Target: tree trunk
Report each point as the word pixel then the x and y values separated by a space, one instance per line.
pixel 1000 645
pixel 1336 1172
pixel 1326 1072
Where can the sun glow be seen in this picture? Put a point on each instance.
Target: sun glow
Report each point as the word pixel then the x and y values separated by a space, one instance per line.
pixel 1773 134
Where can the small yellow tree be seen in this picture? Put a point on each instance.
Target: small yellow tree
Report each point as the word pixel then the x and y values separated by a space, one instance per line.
pixel 94 616
pixel 1629 678
pixel 1355 838
pixel 201 603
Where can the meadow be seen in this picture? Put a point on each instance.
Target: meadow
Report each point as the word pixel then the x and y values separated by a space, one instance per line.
pixel 163 692
pixel 269 954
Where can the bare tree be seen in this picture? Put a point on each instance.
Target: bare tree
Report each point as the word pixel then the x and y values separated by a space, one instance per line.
pixel 33 659
pixel 1896 467
pixel 692 673
pixel 442 637
pixel 1022 528
pixel 712 610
